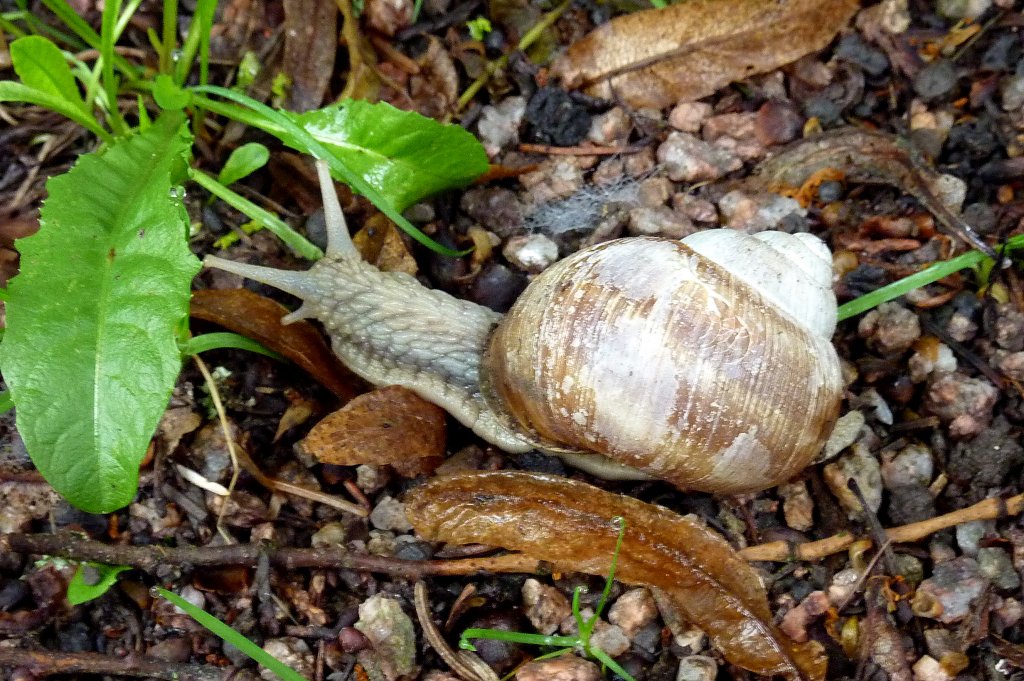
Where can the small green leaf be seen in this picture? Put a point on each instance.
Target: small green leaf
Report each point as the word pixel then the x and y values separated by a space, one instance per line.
pixel 404 155
pixel 92 580
pixel 90 354
pixel 19 92
pixel 479 27
pixel 41 66
pixel 242 161
pixel 168 95
pixel 226 633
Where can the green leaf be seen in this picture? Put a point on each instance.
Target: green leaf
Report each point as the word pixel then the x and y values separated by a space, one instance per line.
pixel 90 353
pixel 100 578
pixel 18 92
pixel 168 95
pixel 242 161
pixel 404 155
pixel 226 633
pixel 41 66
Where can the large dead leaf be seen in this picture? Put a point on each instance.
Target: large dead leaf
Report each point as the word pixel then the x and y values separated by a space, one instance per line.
pixel 687 51
pixel 259 318
pixel 569 524
pixel 392 425
pixel 869 157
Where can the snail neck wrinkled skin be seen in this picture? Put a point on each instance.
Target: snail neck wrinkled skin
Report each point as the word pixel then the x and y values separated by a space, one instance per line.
pixel 705 363
pixel 390 330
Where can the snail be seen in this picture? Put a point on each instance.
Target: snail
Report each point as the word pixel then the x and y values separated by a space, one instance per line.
pixel 705 362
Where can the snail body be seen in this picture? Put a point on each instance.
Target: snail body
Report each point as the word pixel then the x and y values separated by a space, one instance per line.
pixel 706 362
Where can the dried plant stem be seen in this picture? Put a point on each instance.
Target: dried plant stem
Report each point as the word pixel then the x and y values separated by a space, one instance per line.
pixel 229 440
pixel 988 509
pixel 44 663
pixel 147 558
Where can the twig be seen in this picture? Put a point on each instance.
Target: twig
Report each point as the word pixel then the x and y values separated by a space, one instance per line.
pixel 988 509
pixel 149 557
pixel 49 663
pixel 229 440
pixel 577 151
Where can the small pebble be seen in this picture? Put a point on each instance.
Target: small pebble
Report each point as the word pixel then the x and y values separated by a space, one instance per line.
pixel 753 213
pixel 778 122
pixel 532 253
pixel 372 479
pixel 844 584
pixel 795 622
pixel 951 592
pixel 292 652
pixel 965 403
pixel 736 133
pixel 388 16
pixel 633 611
pixel 912 465
pixel 556 178
pixel 890 328
pixel 1011 92
pixel 1008 327
pixel 697 668
pixel 391 634
pixel 857 464
pixel 929 669
pixel 653 192
pixel 495 208
pixel 935 80
pixel 797 505
pixel 994 562
pixel 611 127
pixel 844 433
pixel 561 668
pixel 659 221
pixel 962 9
pixel 910 504
pixel 694 208
pixel 545 606
pixel 932 358
pixel 499 125
pixel 970 534
pixel 389 514
pixel 689 116
pixel 688 158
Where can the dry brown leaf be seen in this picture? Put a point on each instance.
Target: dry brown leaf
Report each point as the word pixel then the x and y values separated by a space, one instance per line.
pixel 259 318
pixel 310 45
pixel 380 243
pixel 391 425
pixel 869 157
pixel 569 524
pixel 687 51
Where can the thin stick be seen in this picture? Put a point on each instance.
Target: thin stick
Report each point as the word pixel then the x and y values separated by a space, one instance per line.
pixel 149 557
pixel 577 151
pixel 43 663
pixel 228 439
pixel 988 509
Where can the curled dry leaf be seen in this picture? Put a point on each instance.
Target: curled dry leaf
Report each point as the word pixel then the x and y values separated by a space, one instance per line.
pixel 259 318
pixel 392 425
pixel 868 157
pixel 687 51
pixel 569 524
pixel 380 243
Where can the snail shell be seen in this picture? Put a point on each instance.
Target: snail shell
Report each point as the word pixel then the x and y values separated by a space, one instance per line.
pixel 706 363
pixel 655 355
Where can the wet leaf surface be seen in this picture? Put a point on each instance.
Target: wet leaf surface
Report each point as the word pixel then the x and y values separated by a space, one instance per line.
pixel 259 318
pixel 569 524
pixel 391 425
pixel 687 51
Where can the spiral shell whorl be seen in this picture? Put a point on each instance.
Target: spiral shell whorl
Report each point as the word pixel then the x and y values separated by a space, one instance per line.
pixel 658 358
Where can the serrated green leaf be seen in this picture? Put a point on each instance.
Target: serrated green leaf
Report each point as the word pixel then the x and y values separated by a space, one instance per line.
pixel 404 155
pixel 242 161
pixel 41 65
pixel 168 95
pixel 90 353
pixel 104 576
